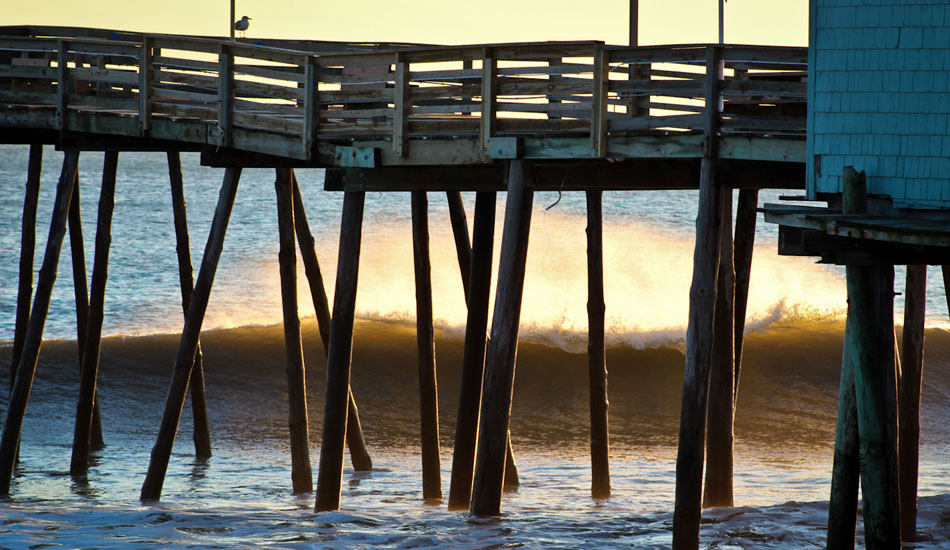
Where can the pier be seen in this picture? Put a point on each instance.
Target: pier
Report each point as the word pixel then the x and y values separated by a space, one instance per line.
pixel 517 117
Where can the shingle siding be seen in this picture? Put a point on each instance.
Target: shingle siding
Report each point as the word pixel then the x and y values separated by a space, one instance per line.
pixel 879 96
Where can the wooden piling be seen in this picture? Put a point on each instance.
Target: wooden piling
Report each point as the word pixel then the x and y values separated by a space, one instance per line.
pixel 720 421
pixel 428 383
pixel 199 409
pixel 743 247
pixel 846 469
pixel 463 246
pixel 500 360
pixel 27 249
pixel 596 353
pixel 912 358
pixel 81 292
pixel 330 475
pixel 699 334
pixel 188 346
pixel 89 371
pixel 359 455
pixel 26 369
pixel 871 303
pixel 473 356
pixel 871 295
pixel 301 473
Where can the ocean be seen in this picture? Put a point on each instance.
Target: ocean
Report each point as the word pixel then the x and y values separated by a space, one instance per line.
pixel 241 496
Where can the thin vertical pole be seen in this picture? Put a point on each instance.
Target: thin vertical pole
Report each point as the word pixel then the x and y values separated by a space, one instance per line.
pixel 359 455
pixel 721 407
pixel 81 293
pixel 634 25
pixel 500 361
pixel 700 329
pixel 596 354
pixel 912 359
pixel 26 369
pixel 27 249
pixel 330 476
pixel 89 371
pixel 199 409
pixel 473 358
pixel 743 247
pixel 188 346
pixel 428 384
pixel 301 473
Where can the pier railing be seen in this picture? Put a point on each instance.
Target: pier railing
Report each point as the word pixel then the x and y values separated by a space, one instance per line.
pixel 285 102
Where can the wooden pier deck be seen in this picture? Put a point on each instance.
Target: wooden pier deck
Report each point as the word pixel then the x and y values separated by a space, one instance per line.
pixel 401 106
pixel 571 116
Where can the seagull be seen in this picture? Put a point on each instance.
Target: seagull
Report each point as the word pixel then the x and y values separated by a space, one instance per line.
pixel 242 24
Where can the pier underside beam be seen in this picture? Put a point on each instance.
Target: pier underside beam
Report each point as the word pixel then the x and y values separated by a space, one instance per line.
pixel 359 455
pixel 90 360
pixel 26 369
pixel 188 345
pixel 500 360
pixel 330 475
pixel 428 385
pixel 202 432
pixel 912 359
pixel 570 175
pixel 301 474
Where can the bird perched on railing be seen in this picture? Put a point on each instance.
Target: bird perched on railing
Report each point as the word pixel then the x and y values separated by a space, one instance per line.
pixel 242 24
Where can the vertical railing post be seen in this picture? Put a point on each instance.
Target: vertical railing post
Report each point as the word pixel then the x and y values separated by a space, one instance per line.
pixel 401 107
pixel 62 94
pixel 225 95
pixel 311 105
pixel 599 91
pixel 145 86
pixel 489 68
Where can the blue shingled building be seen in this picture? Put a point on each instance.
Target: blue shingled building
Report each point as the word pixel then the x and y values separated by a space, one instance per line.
pixel 879 98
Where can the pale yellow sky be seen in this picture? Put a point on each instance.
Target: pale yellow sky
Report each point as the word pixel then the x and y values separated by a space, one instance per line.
pixel 781 22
